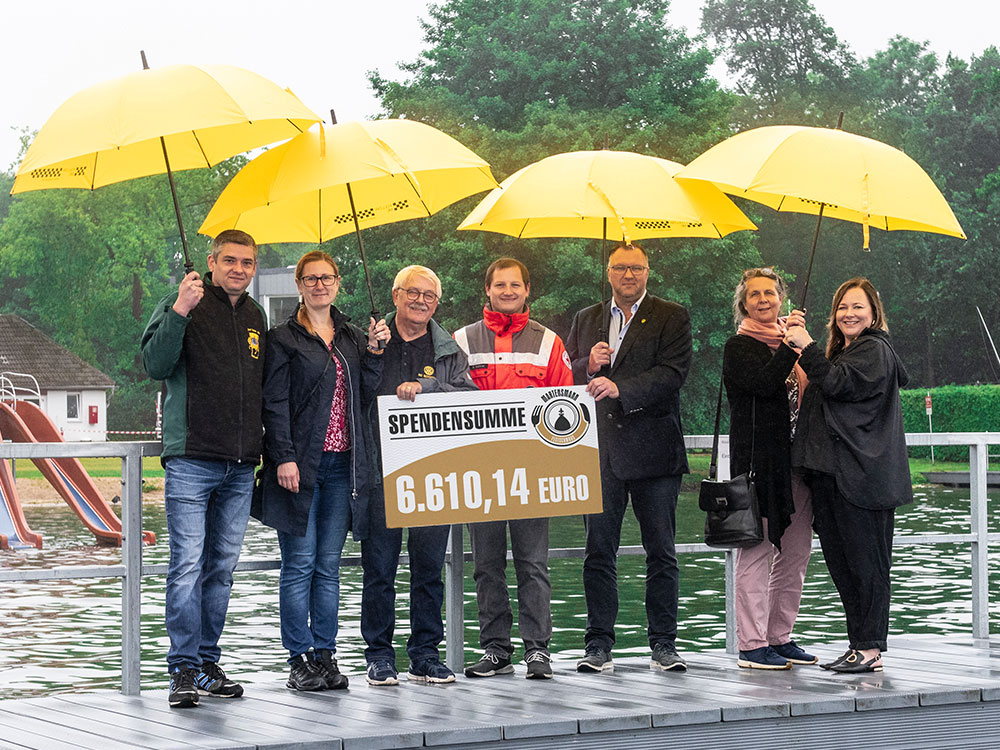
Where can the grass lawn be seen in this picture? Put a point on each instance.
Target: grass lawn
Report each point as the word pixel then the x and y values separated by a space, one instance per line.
pixel 699 463
pixel 96 467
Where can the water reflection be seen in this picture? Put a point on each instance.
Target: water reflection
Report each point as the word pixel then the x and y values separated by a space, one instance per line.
pixel 62 636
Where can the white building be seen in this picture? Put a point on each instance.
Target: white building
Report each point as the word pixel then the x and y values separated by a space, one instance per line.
pixel 73 393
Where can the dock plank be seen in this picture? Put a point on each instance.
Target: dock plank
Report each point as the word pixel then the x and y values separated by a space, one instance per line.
pixel 714 704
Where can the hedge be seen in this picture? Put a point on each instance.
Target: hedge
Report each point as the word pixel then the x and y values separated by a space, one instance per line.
pixel 957 408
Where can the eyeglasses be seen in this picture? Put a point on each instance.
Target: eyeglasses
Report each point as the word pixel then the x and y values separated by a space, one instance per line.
pixel 328 279
pixel 753 273
pixel 414 294
pixel 619 270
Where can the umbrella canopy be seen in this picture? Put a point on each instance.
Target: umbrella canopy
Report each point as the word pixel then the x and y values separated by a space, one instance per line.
pixel 801 169
pixel 605 194
pixel 828 173
pixel 111 132
pixel 156 121
pixel 323 183
pixel 347 177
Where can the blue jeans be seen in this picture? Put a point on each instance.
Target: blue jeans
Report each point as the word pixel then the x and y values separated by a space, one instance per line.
pixel 309 593
pixel 654 502
pixel 208 506
pixel 426 546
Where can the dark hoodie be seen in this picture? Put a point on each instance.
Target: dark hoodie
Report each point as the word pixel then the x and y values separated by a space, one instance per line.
pixel 851 422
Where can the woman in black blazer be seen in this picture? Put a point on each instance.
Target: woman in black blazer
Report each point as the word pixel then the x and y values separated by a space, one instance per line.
pixel 852 448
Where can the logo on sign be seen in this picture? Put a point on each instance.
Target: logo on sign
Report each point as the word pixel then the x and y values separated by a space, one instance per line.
pixel 561 421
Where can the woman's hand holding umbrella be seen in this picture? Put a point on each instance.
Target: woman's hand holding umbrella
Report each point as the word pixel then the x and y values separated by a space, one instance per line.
pixel 796 335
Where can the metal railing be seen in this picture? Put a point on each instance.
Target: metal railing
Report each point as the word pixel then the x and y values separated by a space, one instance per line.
pixel 132 569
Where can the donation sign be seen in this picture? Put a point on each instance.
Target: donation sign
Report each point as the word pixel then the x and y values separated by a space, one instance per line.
pixel 470 456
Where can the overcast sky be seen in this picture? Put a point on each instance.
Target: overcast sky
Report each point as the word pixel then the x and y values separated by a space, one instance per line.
pixel 321 49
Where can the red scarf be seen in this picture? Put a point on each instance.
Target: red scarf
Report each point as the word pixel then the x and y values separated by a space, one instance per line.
pixel 772 335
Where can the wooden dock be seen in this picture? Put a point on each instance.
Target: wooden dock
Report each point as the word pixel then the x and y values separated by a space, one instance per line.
pixel 934 694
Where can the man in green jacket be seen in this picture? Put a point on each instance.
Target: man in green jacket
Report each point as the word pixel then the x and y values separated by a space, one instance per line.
pixel 206 344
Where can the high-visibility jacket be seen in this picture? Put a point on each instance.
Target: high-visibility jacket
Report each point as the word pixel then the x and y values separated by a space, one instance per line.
pixel 512 351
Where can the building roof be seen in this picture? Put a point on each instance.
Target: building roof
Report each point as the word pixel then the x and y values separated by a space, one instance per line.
pixel 25 349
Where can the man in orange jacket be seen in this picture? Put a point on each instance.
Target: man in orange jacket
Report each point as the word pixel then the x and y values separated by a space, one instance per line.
pixel 507 349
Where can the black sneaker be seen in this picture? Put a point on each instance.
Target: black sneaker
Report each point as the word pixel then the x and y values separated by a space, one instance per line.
pixel 326 666
pixel 381 673
pixel 794 654
pixel 211 680
pixel 539 666
pixel 183 690
pixel 595 659
pixel 305 675
pixel 429 670
pixel 665 657
pixel 491 664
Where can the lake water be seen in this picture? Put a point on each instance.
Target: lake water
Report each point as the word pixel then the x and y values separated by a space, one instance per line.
pixel 62 636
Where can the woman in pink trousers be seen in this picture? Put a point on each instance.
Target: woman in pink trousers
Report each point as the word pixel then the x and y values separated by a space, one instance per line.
pixel 764 385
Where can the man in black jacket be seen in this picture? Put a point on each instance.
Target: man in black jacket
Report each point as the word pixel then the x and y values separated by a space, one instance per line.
pixel 420 358
pixel 206 344
pixel 633 354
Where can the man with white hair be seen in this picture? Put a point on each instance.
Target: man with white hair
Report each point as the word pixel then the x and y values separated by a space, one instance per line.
pixel 420 357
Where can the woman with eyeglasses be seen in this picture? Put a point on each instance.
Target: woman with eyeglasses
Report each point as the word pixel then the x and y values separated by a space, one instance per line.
pixel 764 386
pixel 319 374
pixel 852 449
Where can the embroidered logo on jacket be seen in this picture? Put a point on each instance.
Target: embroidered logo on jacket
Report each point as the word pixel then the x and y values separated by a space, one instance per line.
pixel 253 342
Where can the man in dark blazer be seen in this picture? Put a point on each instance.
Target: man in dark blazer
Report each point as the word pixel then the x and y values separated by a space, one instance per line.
pixel 636 381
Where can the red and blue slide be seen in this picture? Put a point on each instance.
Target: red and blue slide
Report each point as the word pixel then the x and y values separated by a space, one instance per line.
pixel 24 422
pixel 14 531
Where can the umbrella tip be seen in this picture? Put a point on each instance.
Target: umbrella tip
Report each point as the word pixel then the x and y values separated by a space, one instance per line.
pixel 333 117
pixel 142 54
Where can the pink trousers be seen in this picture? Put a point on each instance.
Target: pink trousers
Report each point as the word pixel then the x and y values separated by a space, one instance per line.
pixel 768 583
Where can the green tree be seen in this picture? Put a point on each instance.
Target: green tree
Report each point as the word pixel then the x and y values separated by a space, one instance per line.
pixel 87 268
pixel 788 63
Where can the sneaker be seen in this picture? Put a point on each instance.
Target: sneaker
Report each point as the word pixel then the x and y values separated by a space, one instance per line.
pixel 305 675
pixel 665 657
pixel 595 659
pixel 183 690
pixel 381 673
pixel 794 654
pixel 539 666
pixel 211 680
pixel 764 657
pixel 326 666
pixel 492 663
pixel 429 670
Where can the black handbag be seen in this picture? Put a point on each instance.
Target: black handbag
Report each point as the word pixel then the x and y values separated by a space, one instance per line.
pixel 733 515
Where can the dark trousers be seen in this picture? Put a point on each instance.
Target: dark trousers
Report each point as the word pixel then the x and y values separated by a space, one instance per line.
pixel 426 546
pixel 857 546
pixel 654 502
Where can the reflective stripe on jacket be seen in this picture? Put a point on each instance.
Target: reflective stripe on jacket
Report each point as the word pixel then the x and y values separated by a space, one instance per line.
pixel 513 351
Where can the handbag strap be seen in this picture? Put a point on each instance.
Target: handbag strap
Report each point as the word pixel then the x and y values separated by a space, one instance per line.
pixel 713 468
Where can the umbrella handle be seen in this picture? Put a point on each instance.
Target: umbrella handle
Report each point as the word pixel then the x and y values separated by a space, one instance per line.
pixel 380 345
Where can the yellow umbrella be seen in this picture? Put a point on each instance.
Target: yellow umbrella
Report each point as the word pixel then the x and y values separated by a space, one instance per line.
pixel 602 194
pixel 350 176
pixel 830 173
pixel 154 121
pixel 583 193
